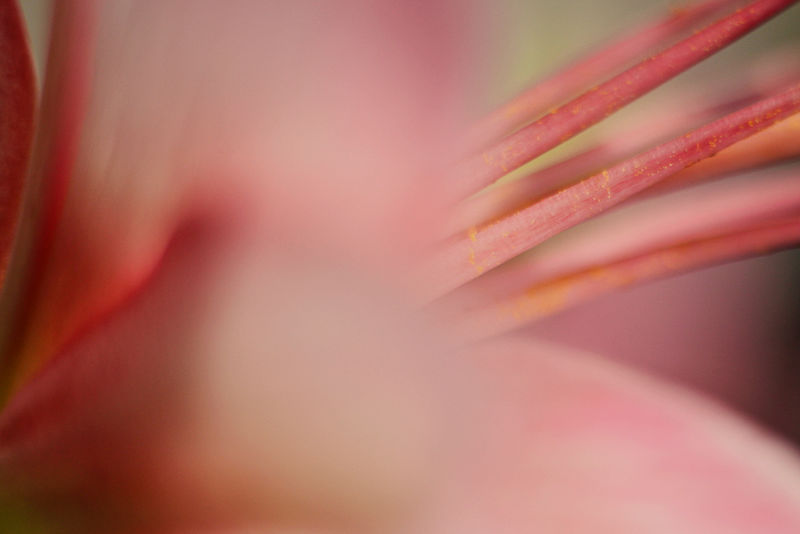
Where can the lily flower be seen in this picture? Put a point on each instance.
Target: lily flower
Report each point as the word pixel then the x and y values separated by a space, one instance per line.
pixel 257 277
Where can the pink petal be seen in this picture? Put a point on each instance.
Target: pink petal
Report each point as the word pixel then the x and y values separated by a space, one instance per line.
pixel 237 385
pixel 575 444
pixel 323 122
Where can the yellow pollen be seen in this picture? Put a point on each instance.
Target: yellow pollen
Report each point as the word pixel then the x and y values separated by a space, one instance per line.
pixel 604 185
pixel 473 238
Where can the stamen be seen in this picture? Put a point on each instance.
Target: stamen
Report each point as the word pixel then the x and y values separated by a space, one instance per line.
pixel 777 143
pixel 578 76
pixel 619 143
pixel 552 297
pixel 598 103
pixel 466 257
pixel 683 216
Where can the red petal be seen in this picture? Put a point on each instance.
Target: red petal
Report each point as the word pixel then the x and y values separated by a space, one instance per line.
pixel 17 103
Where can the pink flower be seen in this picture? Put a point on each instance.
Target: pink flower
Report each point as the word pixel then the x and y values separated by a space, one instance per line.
pixel 251 289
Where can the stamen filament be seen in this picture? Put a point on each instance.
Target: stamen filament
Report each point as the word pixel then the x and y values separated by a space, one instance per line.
pixel 466 257
pixel 777 143
pixel 554 296
pixel 599 102
pixel 578 76
pixel 654 223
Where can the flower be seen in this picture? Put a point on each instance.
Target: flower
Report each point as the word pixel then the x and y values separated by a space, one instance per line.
pixel 242 294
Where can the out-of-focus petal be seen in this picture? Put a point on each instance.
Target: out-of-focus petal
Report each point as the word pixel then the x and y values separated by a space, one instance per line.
pixel 17 102
pixel 243 418
pixel 743 367
pixel 238 385
pixel 326 120
pixel 573 443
